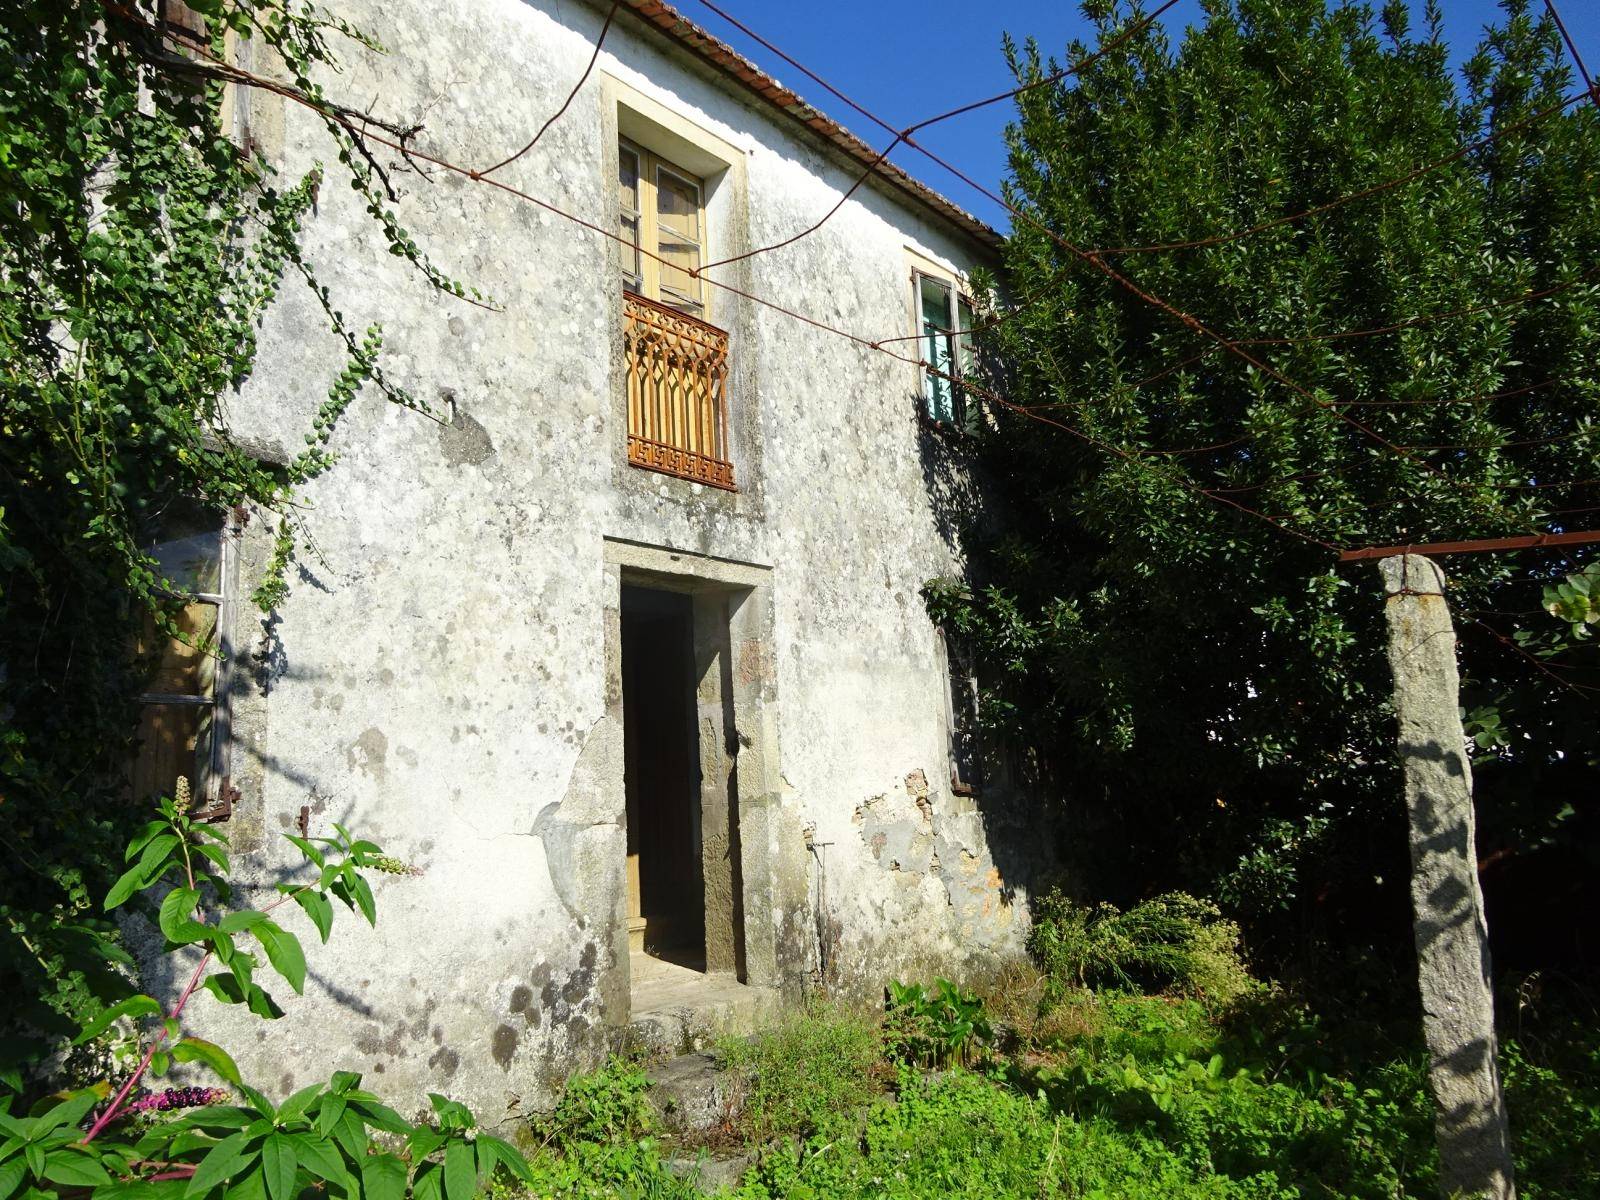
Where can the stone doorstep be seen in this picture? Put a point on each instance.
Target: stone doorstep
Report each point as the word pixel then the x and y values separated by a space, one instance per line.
pixel 684 1026
pixel 677 1011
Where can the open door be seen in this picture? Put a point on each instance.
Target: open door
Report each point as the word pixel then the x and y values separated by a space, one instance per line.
pixel 661 763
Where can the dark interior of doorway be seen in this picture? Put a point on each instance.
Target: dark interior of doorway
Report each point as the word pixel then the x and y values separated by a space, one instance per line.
pixel 666 890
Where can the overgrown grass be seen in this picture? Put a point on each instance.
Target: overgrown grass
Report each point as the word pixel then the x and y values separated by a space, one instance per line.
pixel 600 1143
pixel 817 1063
pixel 1172 943
pixel 1096 1095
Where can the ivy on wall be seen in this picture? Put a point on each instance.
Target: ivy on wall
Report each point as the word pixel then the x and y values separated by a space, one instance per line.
pixel 140 247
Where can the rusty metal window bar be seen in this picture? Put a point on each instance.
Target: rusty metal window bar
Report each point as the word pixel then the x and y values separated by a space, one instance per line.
pixel 944 313
pixel 677 393
pixel 184 719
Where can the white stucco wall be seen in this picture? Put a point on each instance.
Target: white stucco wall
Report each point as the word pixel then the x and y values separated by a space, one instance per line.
pixel 438 677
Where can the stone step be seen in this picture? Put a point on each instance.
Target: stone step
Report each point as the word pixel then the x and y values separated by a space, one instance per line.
pixel 678 1011
pixel 698 1105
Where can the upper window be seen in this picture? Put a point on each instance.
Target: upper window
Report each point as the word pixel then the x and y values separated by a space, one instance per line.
pixel 663 212
pixel 944 315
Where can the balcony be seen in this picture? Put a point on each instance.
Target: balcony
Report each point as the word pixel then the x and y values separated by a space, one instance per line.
pixel 677 393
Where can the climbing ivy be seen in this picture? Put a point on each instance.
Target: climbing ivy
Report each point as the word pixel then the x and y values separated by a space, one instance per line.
pixel 140 247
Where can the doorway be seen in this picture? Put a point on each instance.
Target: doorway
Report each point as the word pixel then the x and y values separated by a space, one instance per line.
pixel 661 773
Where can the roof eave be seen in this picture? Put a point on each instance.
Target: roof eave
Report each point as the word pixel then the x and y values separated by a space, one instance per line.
pixel 678 29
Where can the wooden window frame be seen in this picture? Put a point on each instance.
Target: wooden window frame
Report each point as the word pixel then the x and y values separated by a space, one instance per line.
pixel 645 280
pixel 964 411
pixel 962 728
pixel 214 793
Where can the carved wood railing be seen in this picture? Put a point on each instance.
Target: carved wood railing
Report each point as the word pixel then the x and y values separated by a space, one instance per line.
pixel 677 393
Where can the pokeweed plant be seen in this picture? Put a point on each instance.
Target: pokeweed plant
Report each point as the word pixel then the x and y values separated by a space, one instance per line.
pixel 321 1138
pixel 937 1026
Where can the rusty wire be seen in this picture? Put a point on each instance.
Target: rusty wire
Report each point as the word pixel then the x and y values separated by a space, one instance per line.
pixel 239 75
pixel 900 136
pixel 1572 49
pixel 565 104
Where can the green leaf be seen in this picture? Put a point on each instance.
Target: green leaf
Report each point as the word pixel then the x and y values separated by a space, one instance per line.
pixel 508 1155
pixel 383 1177
pixel 320 1157
pixel 72 1167
pixel 226 1159
pixel 460 1173
pixel 258 1001
pixel 11 1173
pixel 217 1116
pixel 213 855
pixel 329 1112
pixel 238 922
pixel 278 1161
pixel 144 837
pixel 343 1081
pixel 380 1117
pixel 252 1186
pixel 294 1108
pixel 424 1140
pixel 149 867
pixel 452 1113
pixel 69 1112
pixel 363 894
pixel 133 1006
pixel 283 952
pixel 263 1107
pixel 319 908
pixel 175 921
pixel 351 1135
pixel 428 1183
pixel 225 988
pixel 308 849
pixel 194 1049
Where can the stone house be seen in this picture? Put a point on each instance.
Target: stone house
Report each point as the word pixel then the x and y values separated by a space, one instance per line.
pixel 624 647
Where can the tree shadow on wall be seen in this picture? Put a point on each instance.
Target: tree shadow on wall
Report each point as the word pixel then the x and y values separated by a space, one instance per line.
pixel 1012 792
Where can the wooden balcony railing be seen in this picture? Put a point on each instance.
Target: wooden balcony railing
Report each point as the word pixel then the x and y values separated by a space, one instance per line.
pixel 677 393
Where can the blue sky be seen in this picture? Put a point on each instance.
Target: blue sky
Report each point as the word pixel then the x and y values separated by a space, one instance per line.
pixel 908 59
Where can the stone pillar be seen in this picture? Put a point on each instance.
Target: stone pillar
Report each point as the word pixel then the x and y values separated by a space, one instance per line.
pixel 719 784
pixel 1447 903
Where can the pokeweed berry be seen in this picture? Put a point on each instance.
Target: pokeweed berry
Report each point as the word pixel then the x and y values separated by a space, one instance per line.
pixel 171 1098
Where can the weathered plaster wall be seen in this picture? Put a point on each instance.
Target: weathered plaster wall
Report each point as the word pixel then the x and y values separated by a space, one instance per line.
pixel 443 676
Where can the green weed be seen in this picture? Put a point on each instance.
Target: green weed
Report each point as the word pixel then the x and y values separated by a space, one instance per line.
pixel 937 1026
pixel 600 1142
pixel 822 1061
pixel 1173 943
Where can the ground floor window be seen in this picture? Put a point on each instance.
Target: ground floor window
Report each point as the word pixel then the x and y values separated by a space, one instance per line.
pixel 183 725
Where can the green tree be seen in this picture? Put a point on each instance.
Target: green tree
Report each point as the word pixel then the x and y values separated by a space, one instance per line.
pixel 1213 684
pixel 139 249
